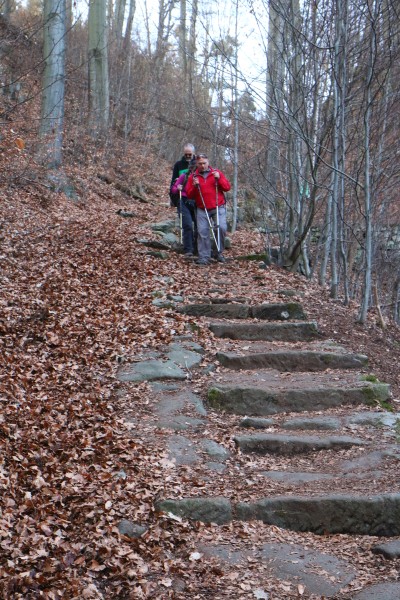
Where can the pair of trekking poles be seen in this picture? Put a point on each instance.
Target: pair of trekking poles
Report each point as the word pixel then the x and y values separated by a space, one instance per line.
pixel 216 238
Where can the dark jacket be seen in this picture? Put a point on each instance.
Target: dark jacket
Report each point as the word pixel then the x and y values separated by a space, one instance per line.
pixel 181 166
pixel 211 189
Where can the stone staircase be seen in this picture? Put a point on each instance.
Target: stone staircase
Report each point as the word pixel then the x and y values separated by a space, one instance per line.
pixel 284 394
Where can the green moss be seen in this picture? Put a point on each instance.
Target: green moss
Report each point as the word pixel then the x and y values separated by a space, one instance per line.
pixel 213 395
pixel 252 257
pixel 327 358
pixel 377 393
pixel 386 405
pixel 370 378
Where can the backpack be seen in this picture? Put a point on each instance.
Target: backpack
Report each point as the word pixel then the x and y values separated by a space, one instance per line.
pixel 174 198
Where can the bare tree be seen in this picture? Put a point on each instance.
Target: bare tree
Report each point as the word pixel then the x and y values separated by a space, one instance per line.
pixel 53 82
pixel 99 95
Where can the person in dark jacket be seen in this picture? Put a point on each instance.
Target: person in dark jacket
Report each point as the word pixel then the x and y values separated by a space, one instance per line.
pixel 187 208
pixel 180 168
pixel 207 186
pixel 182 165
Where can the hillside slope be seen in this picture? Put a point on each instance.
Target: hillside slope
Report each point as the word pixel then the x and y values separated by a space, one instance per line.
pixel 77 300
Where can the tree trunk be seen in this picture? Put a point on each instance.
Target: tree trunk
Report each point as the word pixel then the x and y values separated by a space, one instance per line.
pixel 99 94
pixel 53 82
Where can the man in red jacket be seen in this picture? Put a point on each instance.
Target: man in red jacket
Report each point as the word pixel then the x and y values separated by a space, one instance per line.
pixel 207 186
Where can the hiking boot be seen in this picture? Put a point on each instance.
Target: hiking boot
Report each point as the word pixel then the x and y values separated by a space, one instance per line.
pixel 221 258
pixel 188 255
pixel 202 262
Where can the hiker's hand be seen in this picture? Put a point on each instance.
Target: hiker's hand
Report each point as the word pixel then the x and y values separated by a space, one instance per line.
pixel 180 187
pixel 216 174
pixel 195 180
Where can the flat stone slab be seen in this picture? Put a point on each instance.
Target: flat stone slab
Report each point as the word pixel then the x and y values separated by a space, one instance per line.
pixel 270 312
pixel 256 423
pixel 289 444
pixel 380 591
pixel 280 311
pixel 182 450
pixel 292 360
pixel 296 478
pixel 374 419
pixel 173 363
pixel 389 550
pixel 341 513
pixel 179 423
pixel 369 460
pixel 214 450
pixel 267 393
pixel 151 370
pixel 208 510
pixel 284 332
pixel 217 311
pixel 321 574
pixel 335 513
pixel 322 423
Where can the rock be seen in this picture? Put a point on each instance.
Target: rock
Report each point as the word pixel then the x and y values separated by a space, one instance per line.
pixel 153 244
pixel 207 510
pixel 182 451
pixel 175 298
pixel 125 213
pixel 296 478
pixel 380 591
pixel 180 423
pixel 290 444
pixel 323 575
pixel 284 332
pixel 342 513
pixel 130 529
pixel 164 226
pixel 389 550
pixel 325 423
pixel 151 370
pixel 160 254
pixel 160 303
pixel 292 360
pixel 166 365
pixel 256 397
pixel 215 450
pixel 278 312
pixel 183 357
pixel 219 311
pixel 256 423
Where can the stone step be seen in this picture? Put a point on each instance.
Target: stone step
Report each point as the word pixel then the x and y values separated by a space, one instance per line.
pixel 377 515
pixel 293 444
pixel 292 360
pixel 265 393
pixel 284 332
pixel 271 312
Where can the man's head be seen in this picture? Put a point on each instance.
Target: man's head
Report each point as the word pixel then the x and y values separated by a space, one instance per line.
pixel 202 162
pixel 188 151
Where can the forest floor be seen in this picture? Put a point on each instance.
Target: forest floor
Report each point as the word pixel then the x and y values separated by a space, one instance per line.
pixel 77 297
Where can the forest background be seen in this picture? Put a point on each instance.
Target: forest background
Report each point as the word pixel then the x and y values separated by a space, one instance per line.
pixel 94 112
pixel 306 128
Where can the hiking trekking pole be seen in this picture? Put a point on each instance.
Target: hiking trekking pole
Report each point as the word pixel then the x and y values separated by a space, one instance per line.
pixel 180 218
pixel 208 216
pixel 216 206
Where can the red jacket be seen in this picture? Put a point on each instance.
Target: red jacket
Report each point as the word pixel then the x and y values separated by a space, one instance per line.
pixel 210 188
